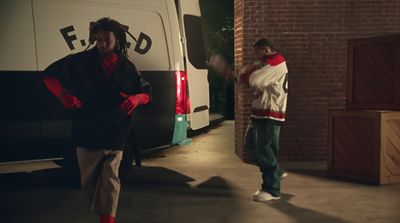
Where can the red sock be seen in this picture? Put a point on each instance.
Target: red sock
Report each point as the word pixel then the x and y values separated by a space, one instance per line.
pixel 107 219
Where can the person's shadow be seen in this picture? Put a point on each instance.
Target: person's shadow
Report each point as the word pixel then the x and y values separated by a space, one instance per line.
pixel 301 214
pixel 150 194
pixel 157 194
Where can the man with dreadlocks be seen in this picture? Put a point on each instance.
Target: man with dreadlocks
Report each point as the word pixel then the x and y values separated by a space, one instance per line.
pixel 104 88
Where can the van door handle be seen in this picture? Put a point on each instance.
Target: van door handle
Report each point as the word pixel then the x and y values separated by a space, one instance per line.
pixel 200 108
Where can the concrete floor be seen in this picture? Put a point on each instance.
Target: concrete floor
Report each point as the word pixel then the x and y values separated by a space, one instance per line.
pixel 201 182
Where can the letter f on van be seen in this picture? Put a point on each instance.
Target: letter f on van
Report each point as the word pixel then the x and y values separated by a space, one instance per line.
pixel 69 38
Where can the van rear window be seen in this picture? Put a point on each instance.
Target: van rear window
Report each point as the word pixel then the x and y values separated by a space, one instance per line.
pixel 195 43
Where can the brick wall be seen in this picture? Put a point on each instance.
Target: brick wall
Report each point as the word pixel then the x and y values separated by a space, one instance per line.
pixel 312 35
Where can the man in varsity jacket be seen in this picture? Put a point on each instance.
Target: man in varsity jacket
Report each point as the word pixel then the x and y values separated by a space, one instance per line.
pixel 269 80
pixel 104 88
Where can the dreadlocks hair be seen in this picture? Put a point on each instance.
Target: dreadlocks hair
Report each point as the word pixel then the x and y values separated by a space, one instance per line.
pixel 263 43
pixel 107 24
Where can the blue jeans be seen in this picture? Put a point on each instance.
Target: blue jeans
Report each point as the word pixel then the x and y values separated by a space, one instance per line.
pixel 262 141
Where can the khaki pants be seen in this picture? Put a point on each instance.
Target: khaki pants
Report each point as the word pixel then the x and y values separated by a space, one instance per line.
pixel 99 178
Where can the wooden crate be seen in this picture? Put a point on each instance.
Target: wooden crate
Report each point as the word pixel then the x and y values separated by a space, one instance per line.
pixel 364 146
pixel 373 79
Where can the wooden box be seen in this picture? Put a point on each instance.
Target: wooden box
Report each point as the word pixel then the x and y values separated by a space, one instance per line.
pixel 364 146
pixel 373 80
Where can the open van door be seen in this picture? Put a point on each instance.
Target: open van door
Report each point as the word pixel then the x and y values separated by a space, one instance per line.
pixel 195 61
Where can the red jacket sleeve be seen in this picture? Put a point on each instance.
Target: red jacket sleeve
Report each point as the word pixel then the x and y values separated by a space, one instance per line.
pixel 245 78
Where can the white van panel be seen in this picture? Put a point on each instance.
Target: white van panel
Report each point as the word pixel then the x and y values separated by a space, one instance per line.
pixel 175 32
pixel 197 78
pixel 199 97
pixel 17 36
pixel 190 7
pixel 74 19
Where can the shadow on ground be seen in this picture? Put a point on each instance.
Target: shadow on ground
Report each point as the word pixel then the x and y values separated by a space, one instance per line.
pixel 156 194
pixel 300 214
pixel 320 173
pixel 149 194
pixel 57 177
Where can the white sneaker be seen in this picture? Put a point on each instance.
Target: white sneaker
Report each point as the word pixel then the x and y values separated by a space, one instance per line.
pixel 261 196
pixel 284 175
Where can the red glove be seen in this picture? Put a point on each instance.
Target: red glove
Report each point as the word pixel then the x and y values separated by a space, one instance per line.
pixel 67 100
pixel 70 101
pixel 132 101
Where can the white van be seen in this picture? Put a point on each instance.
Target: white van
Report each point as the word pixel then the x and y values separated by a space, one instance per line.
pixel 167 48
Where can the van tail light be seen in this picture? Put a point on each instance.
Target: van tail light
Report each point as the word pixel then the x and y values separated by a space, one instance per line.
pixel 182 97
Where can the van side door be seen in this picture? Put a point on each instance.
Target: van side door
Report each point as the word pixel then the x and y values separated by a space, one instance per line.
pixel 195 60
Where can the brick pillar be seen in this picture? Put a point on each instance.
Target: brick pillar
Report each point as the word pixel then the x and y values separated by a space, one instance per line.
pixel 241 105
pixel 246 33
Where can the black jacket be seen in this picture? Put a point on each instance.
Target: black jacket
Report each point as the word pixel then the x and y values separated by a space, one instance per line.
pixel 99 124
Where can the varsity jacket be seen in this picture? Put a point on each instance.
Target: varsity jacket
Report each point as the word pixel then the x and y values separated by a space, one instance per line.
pixel 99 124
pixel 269 81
